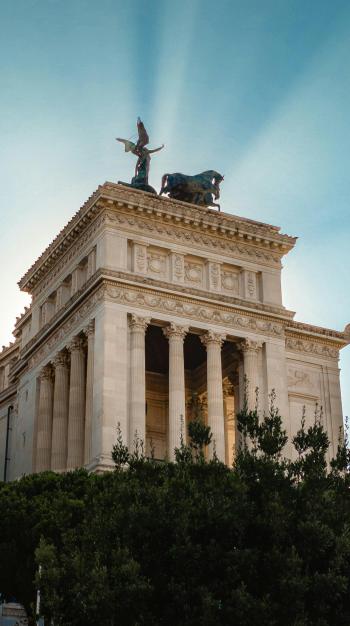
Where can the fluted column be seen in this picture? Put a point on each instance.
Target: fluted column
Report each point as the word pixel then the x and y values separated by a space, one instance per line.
pixel 89 332
pixel 234 378
pixel 176 335
pixel 138 327
pixel 250 350
pixel 60 412
pixel 76 419
pixel 213 342
pixel 229 421
pixel 44 430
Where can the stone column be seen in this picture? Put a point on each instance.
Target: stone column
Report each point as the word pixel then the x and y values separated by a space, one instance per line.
pixel 138 327
pixel 250 350
pixel 44 431
pixel 229 417
pixel 76 419
pixel 89 332
pixel 234 379
pixel 60 412
pixel 213 342
pixel 177 408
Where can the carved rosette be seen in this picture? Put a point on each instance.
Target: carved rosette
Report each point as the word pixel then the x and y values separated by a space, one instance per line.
pixel 175 331
pixel 139 324
pixel 211 337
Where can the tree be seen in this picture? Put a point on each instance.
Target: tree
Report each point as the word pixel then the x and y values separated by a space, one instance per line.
pixel 264 542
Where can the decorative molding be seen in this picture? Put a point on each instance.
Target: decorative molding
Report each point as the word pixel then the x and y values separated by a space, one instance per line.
pixel 72 252
pixel 170 232
pixel 199 312
pixel 189 308
pixel 312 347
pixel 140 258
pixel 178 265
pixel 251 284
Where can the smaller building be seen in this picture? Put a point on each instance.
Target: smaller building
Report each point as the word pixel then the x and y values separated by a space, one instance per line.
pixel 12 614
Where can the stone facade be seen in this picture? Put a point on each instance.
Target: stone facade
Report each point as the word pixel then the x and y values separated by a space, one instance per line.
pixel 144 312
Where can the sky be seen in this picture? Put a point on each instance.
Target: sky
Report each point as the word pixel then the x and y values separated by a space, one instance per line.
pixel 259 91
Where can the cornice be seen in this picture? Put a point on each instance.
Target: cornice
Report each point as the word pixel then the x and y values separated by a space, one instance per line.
pixel 197 236
pixel 240 304
pixel 308 345
pixel 55 250
pixel 256 235
pixel 8 350
pixel 299 330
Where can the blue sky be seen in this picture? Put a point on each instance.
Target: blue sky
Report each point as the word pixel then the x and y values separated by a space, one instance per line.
pixel 259 91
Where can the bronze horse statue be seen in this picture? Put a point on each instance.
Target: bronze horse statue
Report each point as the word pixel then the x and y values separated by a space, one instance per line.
pixel 201 189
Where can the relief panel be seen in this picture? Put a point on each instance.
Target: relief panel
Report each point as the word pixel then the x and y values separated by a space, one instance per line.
pixel 230 281
pixel 194 271
pixel 303 380
pixel 157 264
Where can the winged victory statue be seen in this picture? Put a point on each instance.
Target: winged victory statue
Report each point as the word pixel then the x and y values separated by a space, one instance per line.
pixel 140 180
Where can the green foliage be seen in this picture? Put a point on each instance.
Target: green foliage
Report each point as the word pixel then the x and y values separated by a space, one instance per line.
pixel 193 543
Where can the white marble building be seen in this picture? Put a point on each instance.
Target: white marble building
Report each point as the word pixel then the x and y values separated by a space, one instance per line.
pixel 144 309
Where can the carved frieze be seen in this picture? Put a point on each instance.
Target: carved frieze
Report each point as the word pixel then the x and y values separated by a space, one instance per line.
pixel 312 347
pixel 194 310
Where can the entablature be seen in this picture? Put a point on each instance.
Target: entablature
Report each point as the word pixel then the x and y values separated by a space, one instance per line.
pixel 167 218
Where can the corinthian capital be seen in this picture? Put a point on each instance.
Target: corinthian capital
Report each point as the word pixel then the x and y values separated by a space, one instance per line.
pixel 60 360
pixel 139 324
pixel 89 329
pixel 210 337
pixel 175 330
pixel 76 344
pixel 46 372
pixel 249 345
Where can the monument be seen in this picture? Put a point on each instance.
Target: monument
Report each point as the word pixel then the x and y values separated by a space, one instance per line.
pixel 145 308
